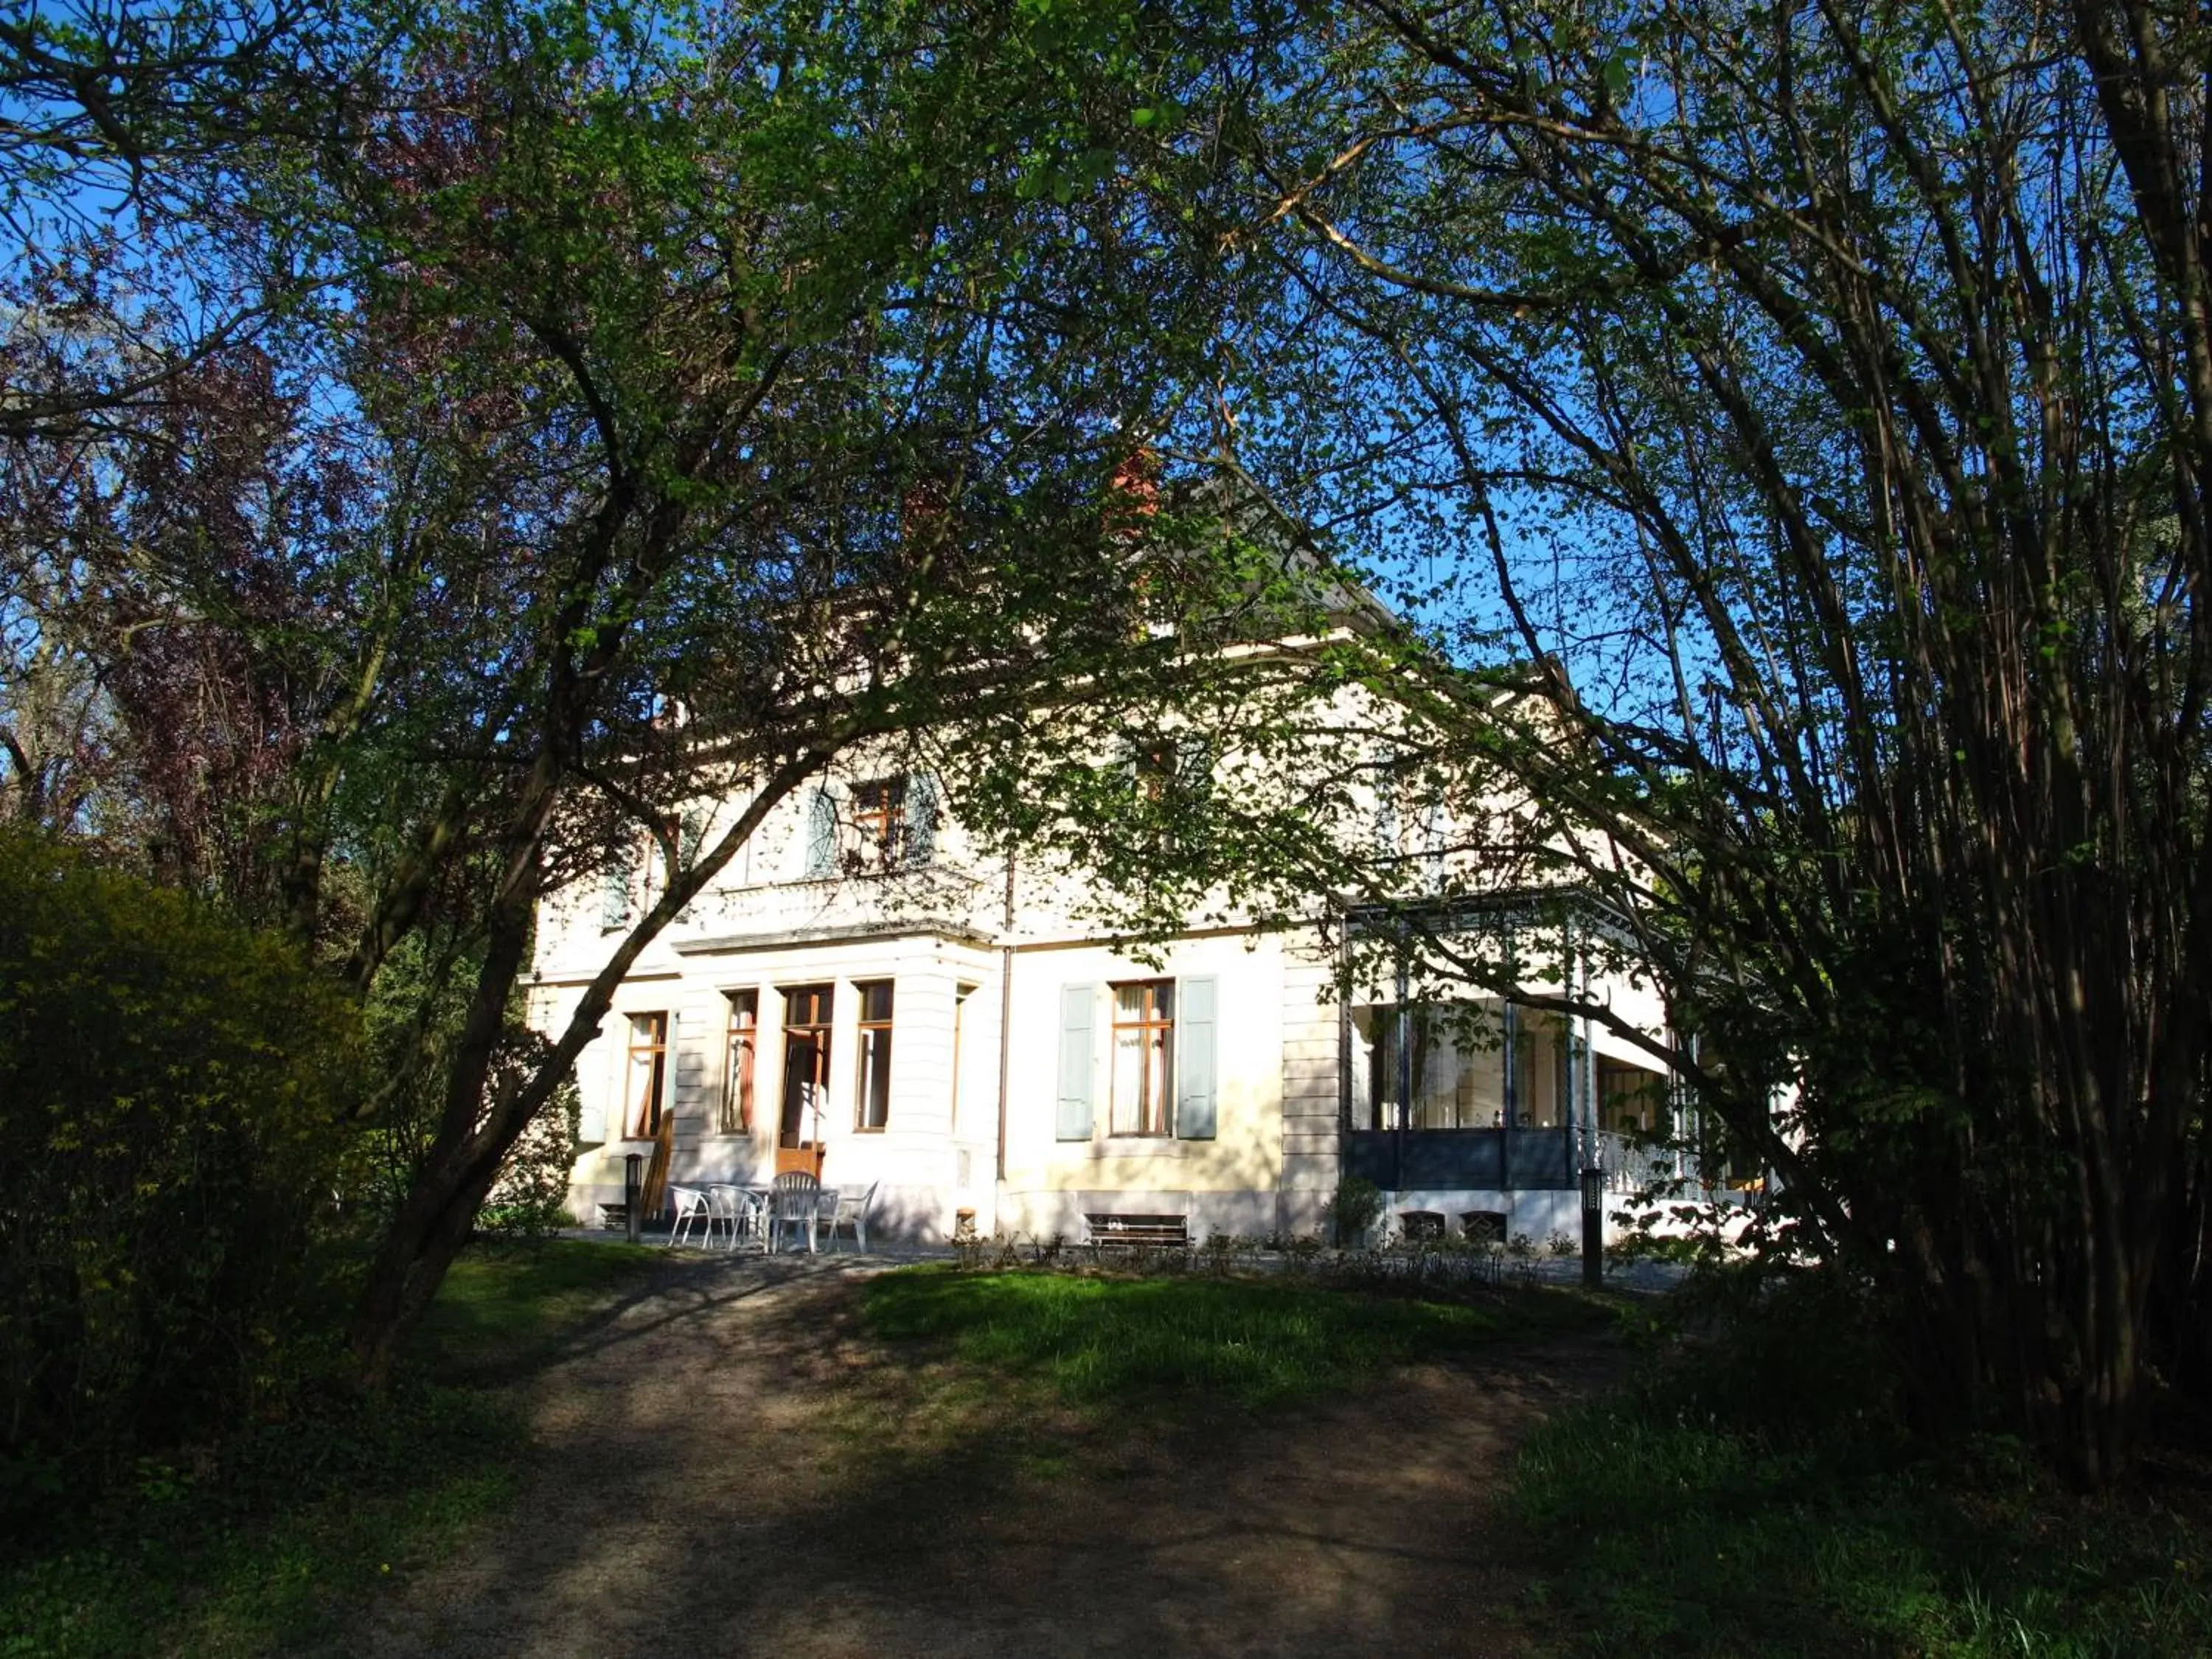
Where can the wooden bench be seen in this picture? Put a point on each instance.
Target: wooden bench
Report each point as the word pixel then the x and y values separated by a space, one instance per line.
pixel 1140 1232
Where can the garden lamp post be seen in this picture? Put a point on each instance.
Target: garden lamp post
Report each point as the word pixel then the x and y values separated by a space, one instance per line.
pixel 632 1193
pixel 1593 1224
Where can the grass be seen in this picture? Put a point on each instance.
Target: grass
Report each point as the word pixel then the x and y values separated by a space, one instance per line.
pixel 504 1305
pixel 1175 1343
pixel 244 1549
pixel 1726 1505
pixel 1041 1388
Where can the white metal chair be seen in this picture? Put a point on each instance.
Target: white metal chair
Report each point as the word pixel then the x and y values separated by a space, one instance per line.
pixel 692 1205
pixel 795 1201
pixel 851 1210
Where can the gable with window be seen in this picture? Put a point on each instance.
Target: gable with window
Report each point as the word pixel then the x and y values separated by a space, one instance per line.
pixel 1160 1072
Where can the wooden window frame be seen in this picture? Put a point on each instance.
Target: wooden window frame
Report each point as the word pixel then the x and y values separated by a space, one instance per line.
pixel 1153 766
pixel 879 823
pixel 741 1062
pixel 641 1116
pixel 872 1054
pixel 1157 1124
pixel 820 1031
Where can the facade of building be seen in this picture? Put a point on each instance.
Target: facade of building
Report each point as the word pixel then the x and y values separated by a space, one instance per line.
pixel 865 996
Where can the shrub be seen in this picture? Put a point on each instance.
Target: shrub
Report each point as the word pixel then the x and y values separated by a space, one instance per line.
pixel 170 1122
pixel 1355 1209
pixel 412 1021
pixel 530 1200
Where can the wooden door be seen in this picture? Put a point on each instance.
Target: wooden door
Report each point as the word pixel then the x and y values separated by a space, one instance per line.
pixel 805 1081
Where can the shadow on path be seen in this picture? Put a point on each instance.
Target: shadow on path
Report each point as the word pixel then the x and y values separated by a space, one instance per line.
pixel 728 1466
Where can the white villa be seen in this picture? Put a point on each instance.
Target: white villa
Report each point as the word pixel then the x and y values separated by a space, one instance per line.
pixel 866 995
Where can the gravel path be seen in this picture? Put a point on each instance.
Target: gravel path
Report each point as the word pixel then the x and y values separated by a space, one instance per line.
pixel 727 1467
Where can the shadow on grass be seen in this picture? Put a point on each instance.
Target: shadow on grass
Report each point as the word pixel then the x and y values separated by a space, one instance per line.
pixel 1246 1343
pixel 242 1548
pixel 1756 1495
pixel 510 1312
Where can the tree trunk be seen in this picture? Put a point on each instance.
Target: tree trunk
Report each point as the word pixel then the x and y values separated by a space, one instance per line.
pixel 441 1207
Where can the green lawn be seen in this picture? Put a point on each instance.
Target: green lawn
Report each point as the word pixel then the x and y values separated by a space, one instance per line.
pixel 241 1551
pixel 1171 1342
pixel 504 1305
pixel 1672 1522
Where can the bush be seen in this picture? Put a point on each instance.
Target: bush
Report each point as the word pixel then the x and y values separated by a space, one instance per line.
pixel 412 1023
pixel 530 1200
pixel 1354 1211
pixel 170 1122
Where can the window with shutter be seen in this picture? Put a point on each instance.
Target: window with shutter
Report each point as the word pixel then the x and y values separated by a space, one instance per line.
pixel 1144 1066
pixel 879 824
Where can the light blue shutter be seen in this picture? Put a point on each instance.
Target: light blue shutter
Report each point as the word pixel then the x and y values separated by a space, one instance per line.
pixel 614 887
pixel 1195 767
pixel 1386 804
pixel 821 836
pixel 1073 1121
pixel 689 833
pixel 922 806
pixel 1195 1067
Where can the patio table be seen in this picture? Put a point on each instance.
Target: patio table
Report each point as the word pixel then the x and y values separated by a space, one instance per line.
pixel 745 1209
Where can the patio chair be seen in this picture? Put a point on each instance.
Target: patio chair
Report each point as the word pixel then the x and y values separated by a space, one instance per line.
pixel 732 1208
pixel 851 1210
pixel 795 1201
pixel 691 1206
